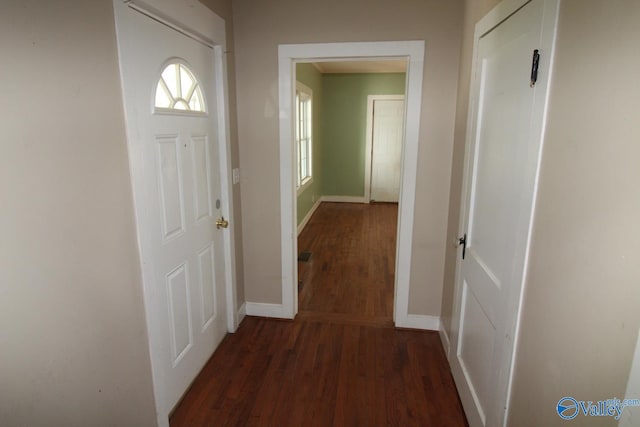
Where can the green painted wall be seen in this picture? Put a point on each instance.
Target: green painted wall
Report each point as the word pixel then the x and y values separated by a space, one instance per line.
pixel 344 125
pixel 309 76
pixel 339 128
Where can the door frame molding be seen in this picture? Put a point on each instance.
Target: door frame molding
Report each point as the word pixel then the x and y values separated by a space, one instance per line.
pixel 199 23
pixel 371 99
pixel 495 17
pixel 288 56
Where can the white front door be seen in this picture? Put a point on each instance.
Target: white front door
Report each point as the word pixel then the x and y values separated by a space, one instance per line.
pixel 386 154
pixel 170 104
pixel 503 152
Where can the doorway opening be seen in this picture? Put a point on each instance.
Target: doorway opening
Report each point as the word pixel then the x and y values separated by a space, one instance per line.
pixel 410 52
pixel 348 133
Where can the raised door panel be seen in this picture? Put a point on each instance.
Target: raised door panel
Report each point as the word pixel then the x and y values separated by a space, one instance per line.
pixel 206 265
pixel 170 186
pixel 179 312
pixel 201 177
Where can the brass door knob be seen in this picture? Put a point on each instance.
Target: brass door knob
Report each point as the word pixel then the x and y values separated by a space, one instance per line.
pixel 222 223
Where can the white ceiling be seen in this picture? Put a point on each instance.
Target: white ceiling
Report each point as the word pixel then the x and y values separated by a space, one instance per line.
pixel 379 66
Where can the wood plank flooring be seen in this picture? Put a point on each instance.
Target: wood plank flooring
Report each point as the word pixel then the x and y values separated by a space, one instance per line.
pixel 340 362
pixel 313 373
pixel 352 268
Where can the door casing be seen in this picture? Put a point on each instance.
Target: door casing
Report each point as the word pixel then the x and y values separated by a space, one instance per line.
pixel 288 56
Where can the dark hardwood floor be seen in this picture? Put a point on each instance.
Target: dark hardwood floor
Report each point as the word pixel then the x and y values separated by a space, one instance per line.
pixel 352 267
pixel 340 362
pixel 312 373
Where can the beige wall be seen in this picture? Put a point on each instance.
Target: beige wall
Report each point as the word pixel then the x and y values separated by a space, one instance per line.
pixel 223 9
pixel 73 343
pixel 581 311
pixel 259 27
pixel 581 308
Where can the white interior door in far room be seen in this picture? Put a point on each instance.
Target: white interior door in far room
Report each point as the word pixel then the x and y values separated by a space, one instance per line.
pixel 507 109
pixel 385 130
pixel 171 106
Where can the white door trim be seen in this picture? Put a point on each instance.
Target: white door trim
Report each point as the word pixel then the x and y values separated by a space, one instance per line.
pixel 369 139
pixel 288 55
pixel 201 24
pixel 190 18
pixel 226 188
pixel 539 112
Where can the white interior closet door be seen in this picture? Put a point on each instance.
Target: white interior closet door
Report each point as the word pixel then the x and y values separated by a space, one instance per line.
pixel 386 149
pixel 503 154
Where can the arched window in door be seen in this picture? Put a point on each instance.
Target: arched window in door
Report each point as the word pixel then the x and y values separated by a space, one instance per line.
pixel 178 90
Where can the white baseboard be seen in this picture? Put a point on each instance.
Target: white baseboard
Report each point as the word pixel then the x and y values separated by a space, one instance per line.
pixel 444 337
pixel 344 199
pixel 419 321
pixel 308 216
pixel 241 314
pixel 266 310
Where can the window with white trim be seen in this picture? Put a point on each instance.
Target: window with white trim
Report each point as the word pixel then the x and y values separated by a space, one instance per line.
pixel 304 140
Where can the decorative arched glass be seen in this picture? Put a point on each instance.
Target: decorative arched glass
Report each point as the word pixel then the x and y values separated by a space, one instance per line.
pixel 178 90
